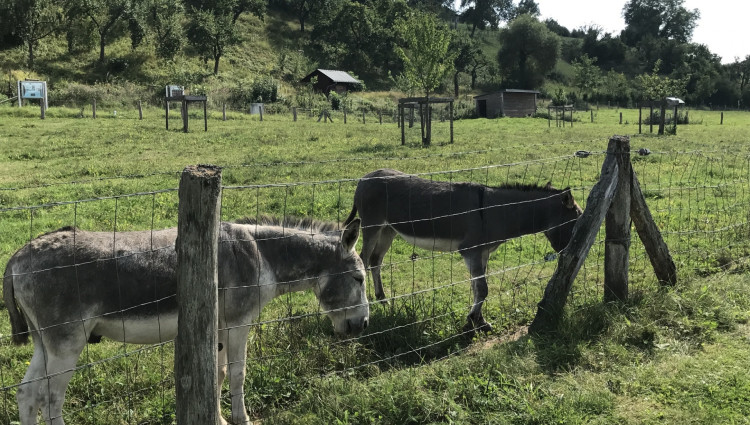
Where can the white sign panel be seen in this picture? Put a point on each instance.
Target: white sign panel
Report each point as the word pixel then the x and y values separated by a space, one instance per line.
pixel 32 90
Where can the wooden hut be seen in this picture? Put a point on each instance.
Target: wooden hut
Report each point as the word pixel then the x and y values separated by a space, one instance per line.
pixel 506 103
pixel 331 80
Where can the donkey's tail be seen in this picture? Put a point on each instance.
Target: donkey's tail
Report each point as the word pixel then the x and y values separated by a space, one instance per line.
pixel 19 327
pixel 351 215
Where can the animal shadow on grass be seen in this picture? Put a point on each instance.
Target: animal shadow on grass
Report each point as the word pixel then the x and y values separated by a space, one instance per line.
pixel 561 349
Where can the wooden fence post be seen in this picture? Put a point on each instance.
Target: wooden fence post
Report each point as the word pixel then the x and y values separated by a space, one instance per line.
pixel 722 118
pixel 651 116
pixel 93 109
pixel 617 223
pixel 344 115
pixel 294 113
pixel 140 111
pixel 451 120
pixel 640 117
pixel 224 111
pixel 43 108
pixel 363 116
pixel 380 116
pixel 261 112
pixel 592 115
pixel 621 118
pixel 197 246
pixel 550 308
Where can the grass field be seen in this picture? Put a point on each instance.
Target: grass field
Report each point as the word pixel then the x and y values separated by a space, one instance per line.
pixel 666 356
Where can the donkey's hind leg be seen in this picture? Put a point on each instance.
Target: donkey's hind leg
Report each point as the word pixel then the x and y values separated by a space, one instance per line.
pixel 378 243
pixel 50 370
pixel 476 262
pixel 29 395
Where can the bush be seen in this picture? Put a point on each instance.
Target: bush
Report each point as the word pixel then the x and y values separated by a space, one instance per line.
pixel 106 94
pixel 264 90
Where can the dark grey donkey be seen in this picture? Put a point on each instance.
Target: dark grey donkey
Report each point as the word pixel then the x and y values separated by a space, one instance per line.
pixel 71 286
pixel 470 218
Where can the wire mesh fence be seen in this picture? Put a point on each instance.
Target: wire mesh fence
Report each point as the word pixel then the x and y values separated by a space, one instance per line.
pixel 700 200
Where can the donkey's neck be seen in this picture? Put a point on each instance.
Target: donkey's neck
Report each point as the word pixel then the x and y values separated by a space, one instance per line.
pixel 528 209
pixel 295 259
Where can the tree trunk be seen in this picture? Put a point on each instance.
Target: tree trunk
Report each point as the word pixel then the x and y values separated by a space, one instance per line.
pixel 302 24
pixel 31 55
pixel 216 64
pixel 101 46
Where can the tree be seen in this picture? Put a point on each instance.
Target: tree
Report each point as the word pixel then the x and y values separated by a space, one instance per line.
pixel 426 56
pixel 667 19
pixel 165 17
pixel 486 13
pixel 303 9
pixel 615 87
pixel 211 28
pixel 528 52
pixel 556 27
pixel 586 75
pixel 527 7
pixel 104 14
pixel 35 20
pixel 656 87
pixel 467 53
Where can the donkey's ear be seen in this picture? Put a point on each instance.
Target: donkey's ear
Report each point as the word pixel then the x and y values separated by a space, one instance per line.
pixel 350 235
pixel 567 198
pixel 548 186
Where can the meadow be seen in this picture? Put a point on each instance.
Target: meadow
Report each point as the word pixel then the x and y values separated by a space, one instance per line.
pixel 670 356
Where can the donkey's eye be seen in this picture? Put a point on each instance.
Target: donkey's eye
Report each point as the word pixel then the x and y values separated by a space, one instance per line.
pixel 359 279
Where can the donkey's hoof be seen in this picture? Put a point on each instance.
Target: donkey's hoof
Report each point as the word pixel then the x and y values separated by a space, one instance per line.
pixel 470 328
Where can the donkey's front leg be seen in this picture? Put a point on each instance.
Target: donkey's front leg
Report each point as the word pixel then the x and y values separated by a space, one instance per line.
pixel 476 262
pixel 221 363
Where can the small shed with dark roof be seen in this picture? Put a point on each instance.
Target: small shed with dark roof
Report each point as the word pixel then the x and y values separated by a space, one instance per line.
pixel 506 103
pixel 331 80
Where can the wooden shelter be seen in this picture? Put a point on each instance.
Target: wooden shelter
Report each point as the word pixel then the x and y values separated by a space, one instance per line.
pixel 506 103
pixel 331 80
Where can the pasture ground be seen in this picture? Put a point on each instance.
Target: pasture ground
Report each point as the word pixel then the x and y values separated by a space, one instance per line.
pixel 678 356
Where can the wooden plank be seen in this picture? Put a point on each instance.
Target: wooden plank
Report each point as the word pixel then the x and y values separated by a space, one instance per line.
pixel 550 308
pixel 656 248
pixel 196 356
pixel 617 222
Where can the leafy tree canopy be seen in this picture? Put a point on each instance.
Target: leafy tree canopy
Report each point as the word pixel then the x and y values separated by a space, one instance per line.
pixel 529 52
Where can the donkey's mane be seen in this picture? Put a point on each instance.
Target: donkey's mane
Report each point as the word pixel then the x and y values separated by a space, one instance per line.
pixel 301 223
pixel 528 187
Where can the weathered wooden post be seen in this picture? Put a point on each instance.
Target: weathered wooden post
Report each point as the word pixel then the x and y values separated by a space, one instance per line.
pixel 617 224
pixel 592 115
pixel 140 111
pixel 294 113
pixel 196 354
pixel 651 116
pixel 344 115
pixel 260 110
pixel 620 118
pixel 722 118
pixel 185 121
pixel 640 117
pixel 224 111
pixel 93 108
pixel 43 108
pixel 549 116
pixel 550 308
pixel 363 116
pixel 166 112
pixel 451 119
pixel 662 116
pixel 380 116
pixel 402 118
pixel 205 115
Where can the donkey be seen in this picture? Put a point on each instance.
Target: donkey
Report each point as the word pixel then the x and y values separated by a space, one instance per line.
pixel 470 218
pixel 71 286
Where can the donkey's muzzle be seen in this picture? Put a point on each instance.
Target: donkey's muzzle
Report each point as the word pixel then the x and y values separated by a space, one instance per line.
pixel 356 326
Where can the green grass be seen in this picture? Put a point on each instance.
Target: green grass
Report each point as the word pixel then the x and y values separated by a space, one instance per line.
pixel 695 183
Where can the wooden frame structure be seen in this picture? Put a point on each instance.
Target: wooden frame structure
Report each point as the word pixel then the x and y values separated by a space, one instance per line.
pixel 185 100
pixel 616 198
pixel 559 110
pixel 423 103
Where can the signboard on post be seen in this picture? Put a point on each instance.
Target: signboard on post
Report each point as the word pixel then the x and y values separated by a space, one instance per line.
pixel 32 89
pixel 174 91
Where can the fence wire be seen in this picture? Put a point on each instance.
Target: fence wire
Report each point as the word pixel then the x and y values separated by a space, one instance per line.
pixel 700 201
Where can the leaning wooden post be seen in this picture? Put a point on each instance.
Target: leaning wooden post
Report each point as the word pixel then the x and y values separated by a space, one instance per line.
pixel 617 241
pixel 648 232
pixel 550 308
pixel 197 246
